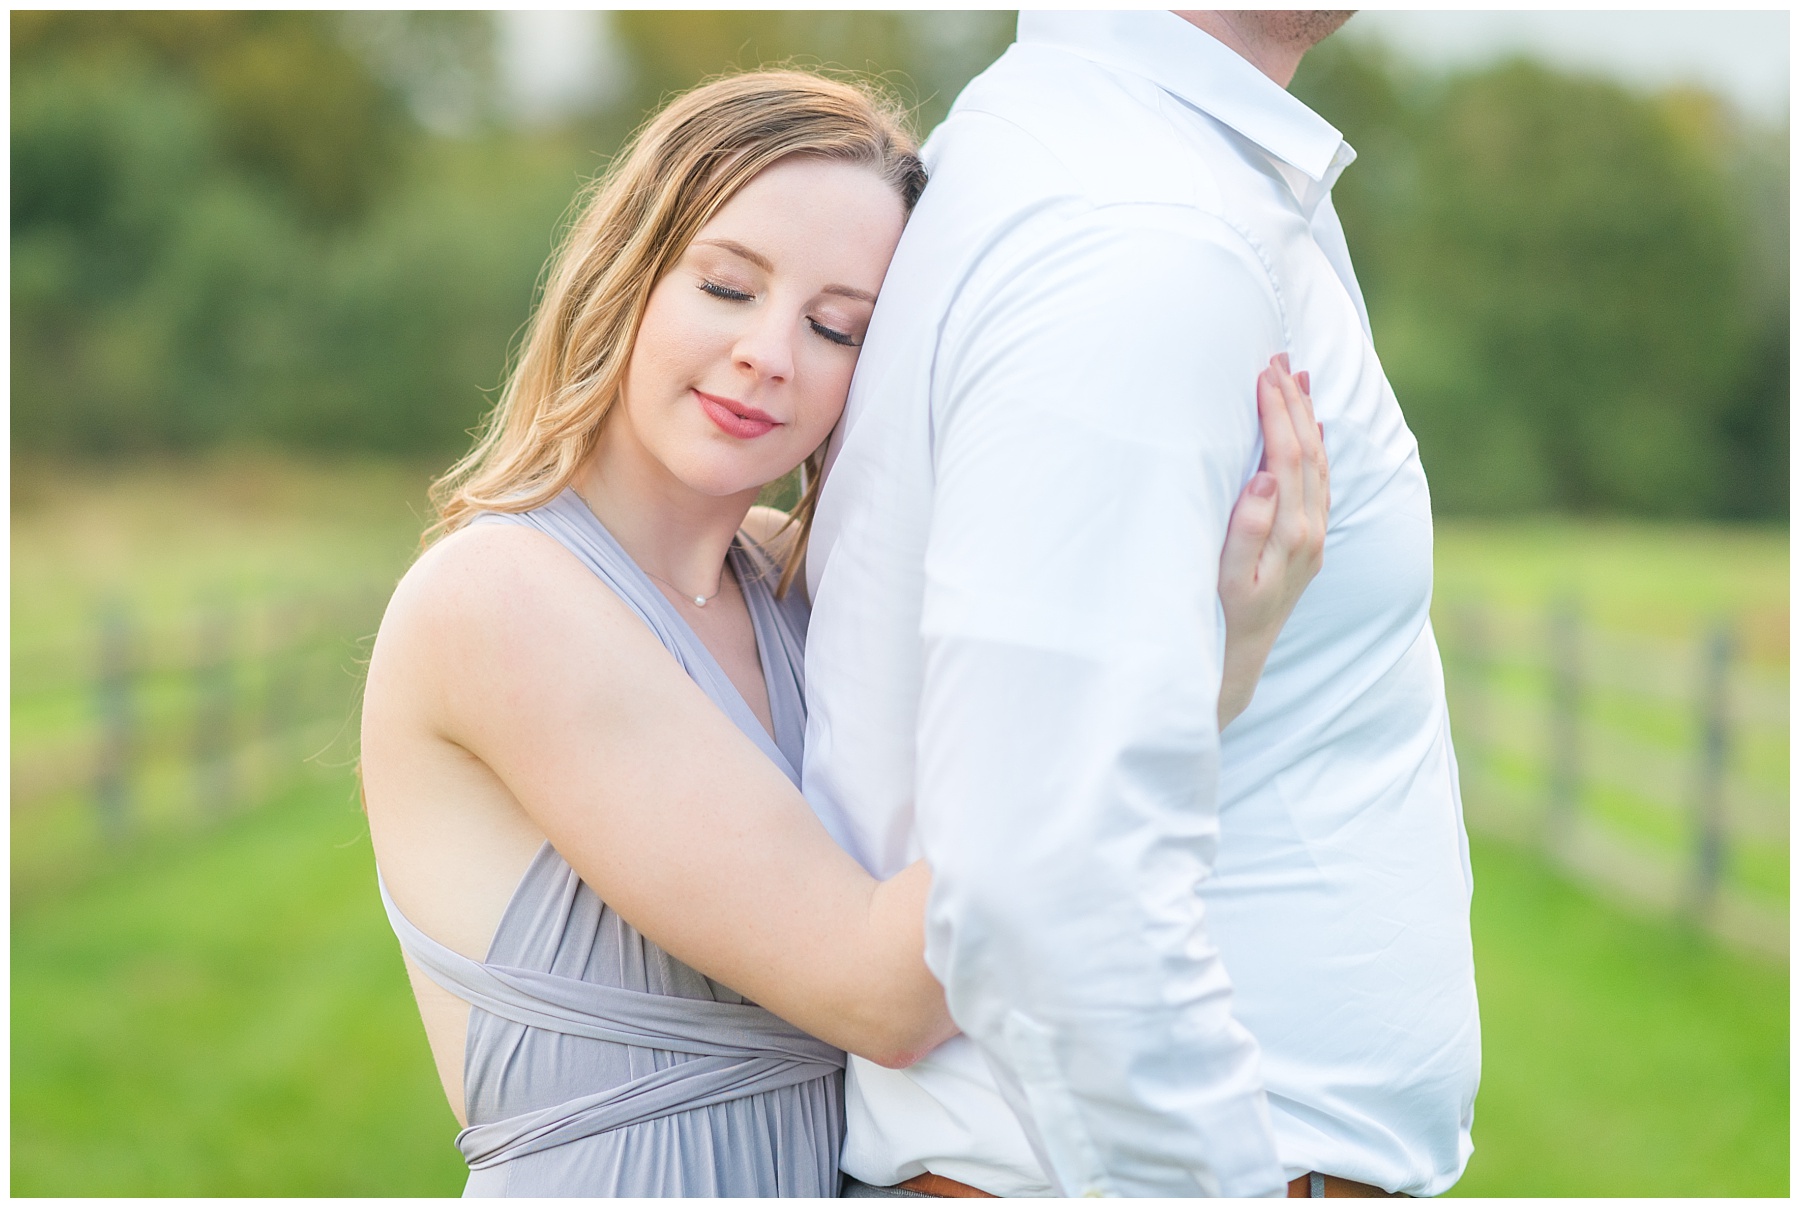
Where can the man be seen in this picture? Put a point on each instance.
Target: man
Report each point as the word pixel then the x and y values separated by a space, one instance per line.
pixel 1183 963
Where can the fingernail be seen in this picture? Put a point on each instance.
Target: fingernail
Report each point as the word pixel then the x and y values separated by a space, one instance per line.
pixel 1263 485
pixel 1305 380
pixel 1283 358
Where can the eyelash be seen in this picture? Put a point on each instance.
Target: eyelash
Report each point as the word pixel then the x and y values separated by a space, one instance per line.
pixel 830 334
pixel 725 292
pixel 842 339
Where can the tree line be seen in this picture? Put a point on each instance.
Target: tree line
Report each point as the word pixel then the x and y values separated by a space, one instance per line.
pixel 1579 292
pixel 322 231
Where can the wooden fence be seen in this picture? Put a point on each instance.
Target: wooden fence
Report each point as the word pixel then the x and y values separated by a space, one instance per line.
pixel 130 727
pixel 1655 770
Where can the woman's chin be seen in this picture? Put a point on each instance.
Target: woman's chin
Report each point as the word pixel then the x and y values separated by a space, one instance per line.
pixel 723 473
pixel 727 483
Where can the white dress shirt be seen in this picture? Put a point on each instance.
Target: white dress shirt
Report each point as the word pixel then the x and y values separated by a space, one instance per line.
pixel 1183 963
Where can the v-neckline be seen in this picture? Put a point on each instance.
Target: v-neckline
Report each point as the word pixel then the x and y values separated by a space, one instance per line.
pixel 735 556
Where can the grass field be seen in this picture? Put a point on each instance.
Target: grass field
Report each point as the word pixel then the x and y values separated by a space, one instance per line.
pixel 219 1009
pixel 1656 579
pixel 166 537
pixel 1620 1057
pixel 228 1016
pixel 225 1015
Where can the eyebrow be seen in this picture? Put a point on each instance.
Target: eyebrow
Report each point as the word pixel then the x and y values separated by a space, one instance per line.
pixel 761 261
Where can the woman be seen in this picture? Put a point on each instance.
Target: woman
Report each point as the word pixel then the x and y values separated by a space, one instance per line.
pixel 585 841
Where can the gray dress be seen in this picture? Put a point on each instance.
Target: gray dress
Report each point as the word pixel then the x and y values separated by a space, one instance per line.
pixel 598 1064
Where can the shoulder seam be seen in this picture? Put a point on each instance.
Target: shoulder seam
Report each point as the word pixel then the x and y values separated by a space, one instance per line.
pixel 1249 241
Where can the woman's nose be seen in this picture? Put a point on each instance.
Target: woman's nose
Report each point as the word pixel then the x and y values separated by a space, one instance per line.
pixel 766 349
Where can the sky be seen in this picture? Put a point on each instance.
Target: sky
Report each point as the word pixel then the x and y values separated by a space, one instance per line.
pixel 556 61
pixel 1741 54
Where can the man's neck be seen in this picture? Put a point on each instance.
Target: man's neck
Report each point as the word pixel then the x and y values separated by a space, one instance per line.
pixel 1276 58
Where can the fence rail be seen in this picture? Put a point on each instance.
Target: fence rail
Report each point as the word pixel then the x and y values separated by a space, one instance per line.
pixel 128 728
pixel 1655 770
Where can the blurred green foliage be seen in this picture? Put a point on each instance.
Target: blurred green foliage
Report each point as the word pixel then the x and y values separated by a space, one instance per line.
pixel 201 259
pixel 1580 293
pixel 286 99
pixel 320 231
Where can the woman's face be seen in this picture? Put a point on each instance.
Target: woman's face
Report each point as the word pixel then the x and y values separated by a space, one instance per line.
pixel 743 360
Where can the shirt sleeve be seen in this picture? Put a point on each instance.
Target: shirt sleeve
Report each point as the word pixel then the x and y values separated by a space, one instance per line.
pixel 1093 419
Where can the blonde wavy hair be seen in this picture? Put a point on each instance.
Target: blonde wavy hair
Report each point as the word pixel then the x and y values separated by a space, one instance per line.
pixel 632 224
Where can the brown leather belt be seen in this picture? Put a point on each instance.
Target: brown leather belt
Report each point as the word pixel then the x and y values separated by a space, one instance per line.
pixel 1315 1185
pixel 944 1189
pixel 1305 1187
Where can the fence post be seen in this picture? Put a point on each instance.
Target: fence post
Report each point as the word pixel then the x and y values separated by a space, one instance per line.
pixel 112 772
pixel 1565 723
pixel 1715 752
pixel 214 709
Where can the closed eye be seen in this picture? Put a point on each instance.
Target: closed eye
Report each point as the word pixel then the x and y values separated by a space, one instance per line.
pixel 725 292
pixel 834 335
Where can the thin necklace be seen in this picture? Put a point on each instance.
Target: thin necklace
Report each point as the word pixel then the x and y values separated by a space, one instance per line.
pixel 699 601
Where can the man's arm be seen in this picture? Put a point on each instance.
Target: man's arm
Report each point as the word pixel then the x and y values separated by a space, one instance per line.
pixel 1095 417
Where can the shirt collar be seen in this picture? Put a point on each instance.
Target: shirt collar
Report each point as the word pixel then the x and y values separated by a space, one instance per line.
pixel 1204 72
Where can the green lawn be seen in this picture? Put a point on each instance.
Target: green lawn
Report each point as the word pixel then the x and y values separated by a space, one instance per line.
pixel 1620 1057
pixel 225 1015
pixel 172 540
pixel 1658 579
pixel 228 1016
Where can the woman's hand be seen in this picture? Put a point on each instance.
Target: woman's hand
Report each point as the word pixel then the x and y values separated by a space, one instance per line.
pixel 1275 542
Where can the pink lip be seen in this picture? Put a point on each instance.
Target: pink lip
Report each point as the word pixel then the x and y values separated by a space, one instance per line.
pixel 735 418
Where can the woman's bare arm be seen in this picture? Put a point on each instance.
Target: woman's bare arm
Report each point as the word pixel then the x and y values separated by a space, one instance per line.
pixel 530 672
pixel 503 646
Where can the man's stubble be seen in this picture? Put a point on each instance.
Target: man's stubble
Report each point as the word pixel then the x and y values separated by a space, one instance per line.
pixel 1300 28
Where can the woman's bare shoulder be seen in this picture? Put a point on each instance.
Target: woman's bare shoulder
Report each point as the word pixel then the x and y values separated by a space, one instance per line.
pixel 495 594
pixel 470 574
